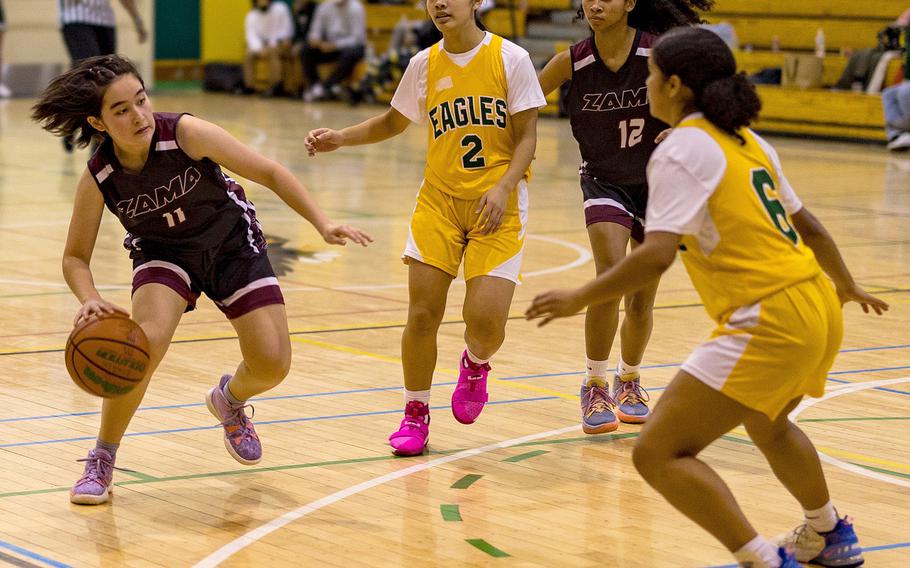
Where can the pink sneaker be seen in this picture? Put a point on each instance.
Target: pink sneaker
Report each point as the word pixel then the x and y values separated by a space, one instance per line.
pixel 471 393
pixel 413 435
pixel 240 437
pixel 94 487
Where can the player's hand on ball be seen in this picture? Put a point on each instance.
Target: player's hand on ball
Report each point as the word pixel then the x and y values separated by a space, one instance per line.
pixel 323 140
pixel 96 307
pixel 864 299
pixel 340 234
pixel 554 304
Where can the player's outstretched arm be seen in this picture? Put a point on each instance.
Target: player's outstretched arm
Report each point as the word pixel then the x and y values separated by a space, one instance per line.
pixel 644 265
pixel 200 139
pixel 386 125
pixel 819 240
pixel 557 71
pixel 77 254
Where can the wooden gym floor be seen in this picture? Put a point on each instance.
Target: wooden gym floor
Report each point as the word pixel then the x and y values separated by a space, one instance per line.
pixel 522 487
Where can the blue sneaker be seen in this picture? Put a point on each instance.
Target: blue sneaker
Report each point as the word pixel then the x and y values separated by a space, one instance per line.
pixel 598 410
pixel 787 560
pixel 838 548
pixel 631 398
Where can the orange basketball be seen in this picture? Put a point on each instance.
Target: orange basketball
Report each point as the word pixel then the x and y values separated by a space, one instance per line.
pixel 107 356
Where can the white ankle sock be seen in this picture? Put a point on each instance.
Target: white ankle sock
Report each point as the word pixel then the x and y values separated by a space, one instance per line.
pixel 474 358
pixel 823 519
pixel 230 396
pixel 422 396
pixel 623 368
pixel 760 552
pixel 594 368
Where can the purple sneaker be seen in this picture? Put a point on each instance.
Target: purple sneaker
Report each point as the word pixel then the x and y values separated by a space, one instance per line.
pixel 471 393
pixel 94 487
pixel 240 437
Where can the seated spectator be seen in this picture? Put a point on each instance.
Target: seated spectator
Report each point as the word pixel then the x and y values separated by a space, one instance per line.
pixel 4 90
pixel 269 30
pixel 862 63
pixel 337 34
pixel 896 102
pixel 302 12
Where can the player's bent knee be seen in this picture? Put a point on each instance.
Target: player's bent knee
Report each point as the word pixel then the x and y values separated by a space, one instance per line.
pixel 422 319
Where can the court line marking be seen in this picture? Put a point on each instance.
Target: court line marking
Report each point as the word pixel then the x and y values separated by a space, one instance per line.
pixel 397 360
pixel 32 555
pixel 238 544
pixel 849 389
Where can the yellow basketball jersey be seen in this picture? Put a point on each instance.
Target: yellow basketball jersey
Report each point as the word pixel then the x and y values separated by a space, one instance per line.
pixel 470 134
pixel 750 249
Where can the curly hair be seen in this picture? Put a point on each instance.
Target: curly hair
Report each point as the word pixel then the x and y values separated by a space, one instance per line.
pixel 67 102
pixel 705 64
pixel 659 16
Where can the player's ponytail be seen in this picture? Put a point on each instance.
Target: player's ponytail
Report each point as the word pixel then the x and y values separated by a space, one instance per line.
pixel 705 64
pixel 65 105
pixel 658 16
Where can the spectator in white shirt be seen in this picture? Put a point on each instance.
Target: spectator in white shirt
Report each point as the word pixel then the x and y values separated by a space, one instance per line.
pixel 338 34
pixel 269 30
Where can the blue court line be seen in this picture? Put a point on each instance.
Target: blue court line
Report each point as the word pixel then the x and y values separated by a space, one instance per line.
pixel 33 555
pixel 448 383
pixel 260 423
pixel 865 550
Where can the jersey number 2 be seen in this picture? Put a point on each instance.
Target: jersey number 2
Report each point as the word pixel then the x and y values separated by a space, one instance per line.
pixel 630 132
pixel 761 183
pixel 471 160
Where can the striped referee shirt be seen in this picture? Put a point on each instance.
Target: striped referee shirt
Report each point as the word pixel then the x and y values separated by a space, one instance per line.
pixel 92 12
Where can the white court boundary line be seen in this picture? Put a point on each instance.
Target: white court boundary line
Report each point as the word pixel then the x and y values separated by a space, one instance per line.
pixel 840 391
pixel 239 543
pixel 584 256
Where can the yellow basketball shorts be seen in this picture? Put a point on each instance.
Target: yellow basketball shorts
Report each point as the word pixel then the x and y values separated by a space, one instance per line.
pixel 767 354
pixel 444 231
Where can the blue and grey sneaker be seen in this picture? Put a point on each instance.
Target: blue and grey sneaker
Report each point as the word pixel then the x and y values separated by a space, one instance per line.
pixel 598 411
pixel 838 548
pixel 787 560
pixel 631 398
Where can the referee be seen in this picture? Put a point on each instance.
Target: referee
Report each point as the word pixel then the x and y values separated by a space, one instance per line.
pixel 88 30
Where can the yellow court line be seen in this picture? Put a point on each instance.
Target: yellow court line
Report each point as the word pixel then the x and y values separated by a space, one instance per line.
pixel 739 432
pixel 397 361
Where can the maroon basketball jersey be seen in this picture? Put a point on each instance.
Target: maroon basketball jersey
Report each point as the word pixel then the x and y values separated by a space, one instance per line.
pixel 609 112
pixel 175 201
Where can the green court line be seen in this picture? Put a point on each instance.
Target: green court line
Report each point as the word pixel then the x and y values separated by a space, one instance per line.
pixel 450 512
pixel 526 456
pixel 484 546
pixel 139 475
pixel 466 481
pixel 885 471
pixel 855 419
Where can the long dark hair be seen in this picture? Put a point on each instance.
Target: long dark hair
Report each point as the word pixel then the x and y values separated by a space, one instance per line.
pixel 658 16
pixel 65 105
pixel 705 64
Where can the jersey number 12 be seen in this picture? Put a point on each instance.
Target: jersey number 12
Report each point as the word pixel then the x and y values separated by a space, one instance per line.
pixel 630 132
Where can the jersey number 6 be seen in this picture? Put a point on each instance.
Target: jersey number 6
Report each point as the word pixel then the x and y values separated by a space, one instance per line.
pixel 471 160
pixel 762 182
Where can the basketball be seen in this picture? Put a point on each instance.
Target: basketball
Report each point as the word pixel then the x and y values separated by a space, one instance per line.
pixel 107 356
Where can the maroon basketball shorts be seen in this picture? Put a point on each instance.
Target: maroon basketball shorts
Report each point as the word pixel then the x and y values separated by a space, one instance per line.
pixel 237 276
pixel 621 204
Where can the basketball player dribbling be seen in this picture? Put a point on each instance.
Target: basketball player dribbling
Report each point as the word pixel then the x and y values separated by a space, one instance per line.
pixel 608 107
pixel 191 231
pixel 478 95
